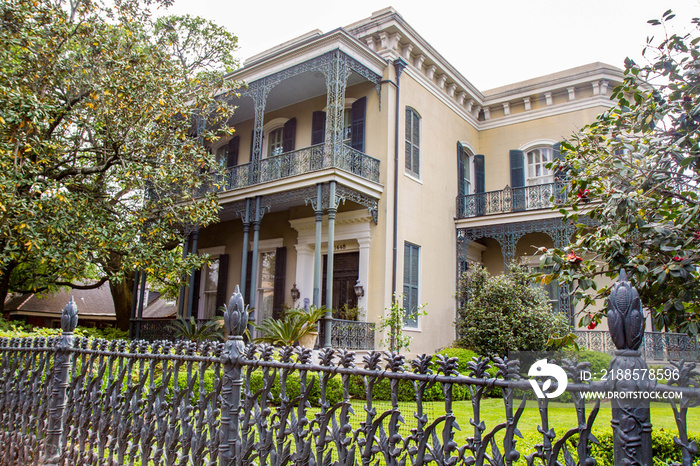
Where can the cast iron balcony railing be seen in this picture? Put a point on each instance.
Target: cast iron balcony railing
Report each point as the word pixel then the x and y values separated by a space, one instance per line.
pixel 298 162
pixel 509 199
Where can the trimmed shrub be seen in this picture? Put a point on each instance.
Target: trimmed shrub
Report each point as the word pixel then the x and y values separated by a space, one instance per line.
pixel 504 313
pixel 663 449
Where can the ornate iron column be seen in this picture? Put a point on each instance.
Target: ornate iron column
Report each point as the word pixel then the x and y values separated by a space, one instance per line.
pixel 337 74
pixel 245 216
pixel 59 385
pixel 259 92
pixel 318 209
pixel 333 202
pixel 236 322
pixel 630 417
pixel 257 220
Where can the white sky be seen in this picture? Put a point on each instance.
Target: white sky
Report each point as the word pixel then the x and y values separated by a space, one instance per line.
pixel 491 43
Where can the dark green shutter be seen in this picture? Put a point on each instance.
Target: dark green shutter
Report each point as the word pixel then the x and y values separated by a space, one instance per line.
pixel 517 180
pixel 280 286
pixel 221 284
pixel 479 184
pixel 556 156
pixel 318 127
pixel 517 169
pixel 195 294
pixel 249 274
pixel 479 175
pixel 232 157
pixel 461 188
pixel 357 132
pixel 290 129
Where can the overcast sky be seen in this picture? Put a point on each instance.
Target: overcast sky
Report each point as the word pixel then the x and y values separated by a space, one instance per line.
pixel 491 43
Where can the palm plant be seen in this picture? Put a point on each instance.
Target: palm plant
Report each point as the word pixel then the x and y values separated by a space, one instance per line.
pixel 189 329
pixel 288 330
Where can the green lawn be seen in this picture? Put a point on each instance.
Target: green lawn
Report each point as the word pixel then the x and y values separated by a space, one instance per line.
pixel 562 417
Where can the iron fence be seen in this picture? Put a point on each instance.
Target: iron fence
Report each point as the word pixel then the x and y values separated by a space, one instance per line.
pixel 509 199
pixel 656 346
pixel 71 401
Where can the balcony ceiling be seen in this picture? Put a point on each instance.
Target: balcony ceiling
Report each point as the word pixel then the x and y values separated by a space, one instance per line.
pixel 296 89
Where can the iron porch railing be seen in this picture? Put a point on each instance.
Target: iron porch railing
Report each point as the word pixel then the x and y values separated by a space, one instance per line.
pixel 349 334
pixel 657 346
pixel 511 200
pixel 297 162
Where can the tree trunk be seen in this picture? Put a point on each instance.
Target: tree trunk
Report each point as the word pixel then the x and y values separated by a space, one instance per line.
pixel 5 283
pixel 122 295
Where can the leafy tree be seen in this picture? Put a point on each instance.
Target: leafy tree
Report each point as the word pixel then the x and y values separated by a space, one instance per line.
pixel 635 172
pixel 100 161
pixel 504 313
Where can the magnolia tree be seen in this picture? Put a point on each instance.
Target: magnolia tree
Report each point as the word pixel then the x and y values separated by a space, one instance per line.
pixel 103 112
pixel 635 172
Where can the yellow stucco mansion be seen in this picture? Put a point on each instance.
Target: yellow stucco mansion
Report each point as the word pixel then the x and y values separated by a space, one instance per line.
pixel 364 164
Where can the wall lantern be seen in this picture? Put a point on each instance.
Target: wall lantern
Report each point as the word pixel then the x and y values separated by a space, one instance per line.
pixel 295 292
pixel 359 290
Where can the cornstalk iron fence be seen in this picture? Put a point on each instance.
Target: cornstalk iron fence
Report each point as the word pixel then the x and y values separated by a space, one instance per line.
pixel 69 400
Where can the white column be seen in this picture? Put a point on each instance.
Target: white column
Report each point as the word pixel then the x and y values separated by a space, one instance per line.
pixel 363 275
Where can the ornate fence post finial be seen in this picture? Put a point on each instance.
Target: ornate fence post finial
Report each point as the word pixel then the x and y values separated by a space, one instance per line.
pixel 236 322
pixel 59 384
pixel 631 421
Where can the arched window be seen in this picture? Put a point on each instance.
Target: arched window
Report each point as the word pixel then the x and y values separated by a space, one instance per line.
pixel 412 143
pixel 536 160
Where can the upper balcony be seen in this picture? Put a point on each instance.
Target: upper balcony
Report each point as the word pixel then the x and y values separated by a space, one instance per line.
pixel 298 162
pixel 507 200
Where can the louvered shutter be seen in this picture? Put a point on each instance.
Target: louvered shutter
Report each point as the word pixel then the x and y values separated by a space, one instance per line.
pixel 517 169
pixel 479 175
pixel 517 179
pixel 280 282
pixel 249 274
pixel 195 294
pixel 318 127
pixel 479 184
pixel 556 156
pixel 357 134
pixel 221 284
pixel 232 156
pixel 290 129
pixel 461 187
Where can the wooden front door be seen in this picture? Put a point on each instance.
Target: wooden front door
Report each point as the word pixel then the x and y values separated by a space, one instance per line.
pixel 346 269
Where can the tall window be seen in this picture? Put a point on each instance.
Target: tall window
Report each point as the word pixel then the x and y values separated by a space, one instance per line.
pixel 412 143
pixel 537 172
pixel 347 125
pixel 266 285
pixel 275 145
pixel 410 284
pixel 210 285
pixel 464 170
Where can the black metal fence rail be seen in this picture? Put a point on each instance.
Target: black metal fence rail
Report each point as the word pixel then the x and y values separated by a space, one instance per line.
pixel 76 401
pixel 657 346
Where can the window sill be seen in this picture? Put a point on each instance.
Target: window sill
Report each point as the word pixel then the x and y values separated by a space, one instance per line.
pixel 413 177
